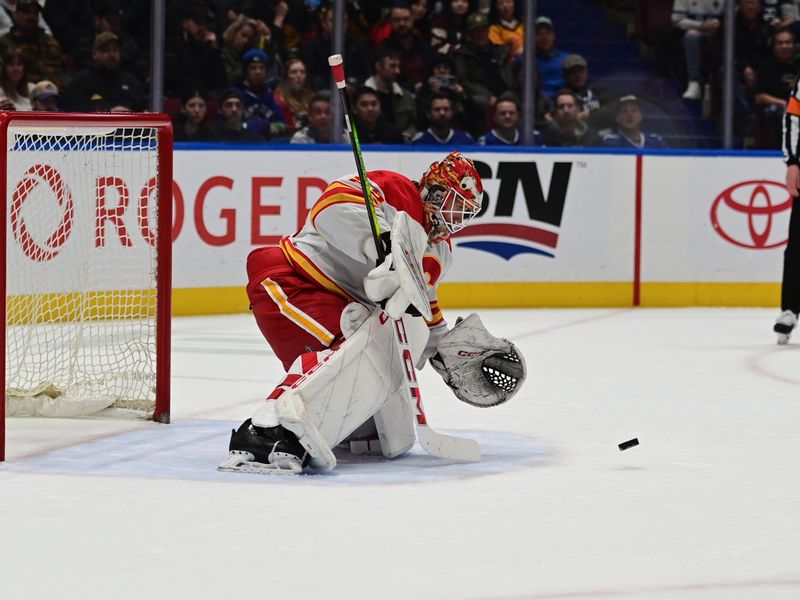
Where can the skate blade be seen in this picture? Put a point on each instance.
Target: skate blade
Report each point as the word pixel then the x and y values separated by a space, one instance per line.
pixel 243 462
pixel 783 339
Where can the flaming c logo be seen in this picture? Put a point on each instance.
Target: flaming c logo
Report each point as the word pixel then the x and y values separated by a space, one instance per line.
pixel 49 248
pixel 744 214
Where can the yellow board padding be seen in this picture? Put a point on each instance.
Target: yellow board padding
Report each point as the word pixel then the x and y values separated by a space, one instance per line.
pixel 710 294
pixel 87 306
pixel 226 300
pixel 535 294
pixel 209 301
pixel 231 300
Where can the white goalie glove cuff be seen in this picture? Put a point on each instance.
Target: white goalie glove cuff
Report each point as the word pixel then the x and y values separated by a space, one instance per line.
pixel 481 369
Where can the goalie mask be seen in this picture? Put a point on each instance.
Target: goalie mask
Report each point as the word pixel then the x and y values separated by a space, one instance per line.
pixel 452 193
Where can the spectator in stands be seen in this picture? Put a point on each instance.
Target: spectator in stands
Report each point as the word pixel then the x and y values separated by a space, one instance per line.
pixel 419 15
pixel 449 27
pixel 752 46
pixel 44 97
pixel 628 132
pixel 548 57
pixel 397 103
pixel 442 78
pixel 567 129
pixel 483 68
pixel 318 130
pixel 413 52
pixel 7 8
pixel 239 37
pixel 771 13
pixel 576 77
pixel 270 38
pixel 293 94
pixel 371 125
pixel 193 58
pixel 13 82
pixel 231 126
pixel 775 80
pixel 506 29
pixel 108 17
pixel 191 124
pixel 261 112
pixel 40 51
pixel 790 16
pixel 103 83
pixel 440 124
pixel 381 28
pixel 699 20
pixel 314 53
pixel 505 120
pixel 286 20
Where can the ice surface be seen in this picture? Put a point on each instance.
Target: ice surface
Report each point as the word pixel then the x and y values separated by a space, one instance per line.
pixel 706 507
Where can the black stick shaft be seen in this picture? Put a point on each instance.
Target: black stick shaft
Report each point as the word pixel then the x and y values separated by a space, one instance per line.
pixel 337 67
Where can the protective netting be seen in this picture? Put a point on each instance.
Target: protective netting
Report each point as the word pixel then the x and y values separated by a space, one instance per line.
pixel 82 207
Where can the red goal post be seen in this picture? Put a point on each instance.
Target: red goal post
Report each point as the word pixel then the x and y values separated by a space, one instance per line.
pixel 87 260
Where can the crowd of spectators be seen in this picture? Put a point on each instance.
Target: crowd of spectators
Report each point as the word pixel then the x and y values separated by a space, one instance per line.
pixel 765 59
pixel 419 71
pixel 256 70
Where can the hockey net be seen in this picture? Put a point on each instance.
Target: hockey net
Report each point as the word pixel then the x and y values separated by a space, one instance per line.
pixel 87 222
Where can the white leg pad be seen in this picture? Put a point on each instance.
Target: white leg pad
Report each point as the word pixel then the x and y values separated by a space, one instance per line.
pixel 352 384
pixel 395 425
pixel 293 415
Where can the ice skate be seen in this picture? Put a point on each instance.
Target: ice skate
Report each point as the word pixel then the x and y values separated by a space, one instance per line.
pixel 784 324
pixel 264 450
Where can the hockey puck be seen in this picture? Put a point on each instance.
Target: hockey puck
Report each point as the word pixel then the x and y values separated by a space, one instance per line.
pixel 629 444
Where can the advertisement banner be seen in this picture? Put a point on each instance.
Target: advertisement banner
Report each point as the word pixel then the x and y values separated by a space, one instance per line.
pixel 556 229
pixel 714 219
pixel 543 219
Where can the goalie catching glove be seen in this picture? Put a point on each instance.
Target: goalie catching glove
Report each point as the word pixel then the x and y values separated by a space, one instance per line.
pixel 481 369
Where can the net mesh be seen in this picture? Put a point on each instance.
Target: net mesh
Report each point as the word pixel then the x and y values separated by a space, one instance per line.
pixel 80 327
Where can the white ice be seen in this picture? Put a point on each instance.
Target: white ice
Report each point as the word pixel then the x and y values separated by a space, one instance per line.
pixel 706 507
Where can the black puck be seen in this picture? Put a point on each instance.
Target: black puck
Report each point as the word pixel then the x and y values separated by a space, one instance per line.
pixel 629 444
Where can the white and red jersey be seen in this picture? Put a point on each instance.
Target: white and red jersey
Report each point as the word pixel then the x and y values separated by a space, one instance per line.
pixel 329 249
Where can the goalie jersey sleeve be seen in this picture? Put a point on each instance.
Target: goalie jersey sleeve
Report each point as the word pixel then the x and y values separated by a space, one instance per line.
pixel 791 128
pixel 329 249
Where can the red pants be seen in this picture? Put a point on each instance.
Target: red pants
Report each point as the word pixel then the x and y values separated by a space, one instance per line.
pixel 294 315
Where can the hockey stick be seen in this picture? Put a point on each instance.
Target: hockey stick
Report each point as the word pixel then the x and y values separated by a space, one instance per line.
pixel 432 442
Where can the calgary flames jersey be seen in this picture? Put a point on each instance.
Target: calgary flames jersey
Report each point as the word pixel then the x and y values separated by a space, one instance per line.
pixel 330 248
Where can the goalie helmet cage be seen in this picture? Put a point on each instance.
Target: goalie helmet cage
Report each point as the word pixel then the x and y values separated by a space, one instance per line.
pixel 86 278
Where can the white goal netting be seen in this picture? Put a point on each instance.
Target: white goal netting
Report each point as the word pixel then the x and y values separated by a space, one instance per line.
pixel 82 269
